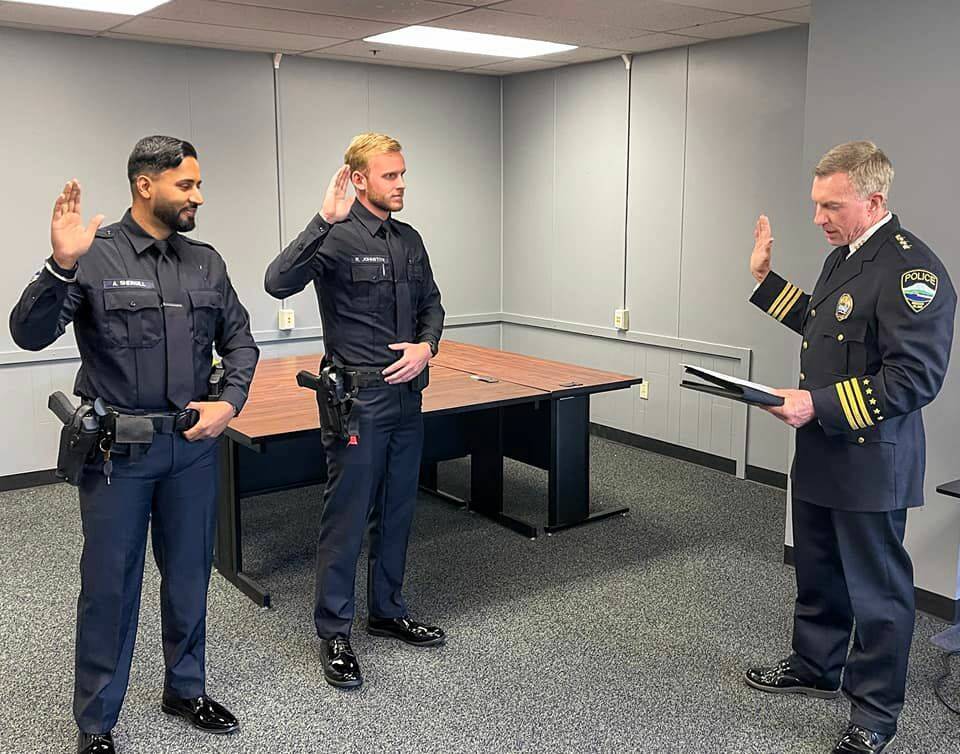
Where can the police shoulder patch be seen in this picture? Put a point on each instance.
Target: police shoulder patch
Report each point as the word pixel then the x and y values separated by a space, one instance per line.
pixel 919 288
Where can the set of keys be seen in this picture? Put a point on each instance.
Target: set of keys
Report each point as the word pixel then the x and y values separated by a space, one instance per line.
pixel 106 444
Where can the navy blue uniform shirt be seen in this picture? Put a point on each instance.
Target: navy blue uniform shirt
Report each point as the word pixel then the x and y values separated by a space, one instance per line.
pixel 113 299
pixel 373 281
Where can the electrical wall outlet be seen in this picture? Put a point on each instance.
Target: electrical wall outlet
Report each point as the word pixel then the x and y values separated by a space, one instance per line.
pixel 621 319
pixel 644 390
pixel 285 320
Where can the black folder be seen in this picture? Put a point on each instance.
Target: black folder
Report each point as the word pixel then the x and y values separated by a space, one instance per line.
pixel 729 387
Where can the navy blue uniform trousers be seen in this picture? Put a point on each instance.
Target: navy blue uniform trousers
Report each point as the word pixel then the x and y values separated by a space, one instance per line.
pixel 172 488
pixel 373 486
pixel 854 576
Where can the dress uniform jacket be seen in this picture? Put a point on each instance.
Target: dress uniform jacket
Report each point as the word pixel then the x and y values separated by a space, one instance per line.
pixel 877 332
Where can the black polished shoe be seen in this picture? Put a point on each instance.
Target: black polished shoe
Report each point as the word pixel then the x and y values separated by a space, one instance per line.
pixel 406 629
pixel 786 678
pixel 857 740
pixel 95 743
pixel 340 665
pixel 202 713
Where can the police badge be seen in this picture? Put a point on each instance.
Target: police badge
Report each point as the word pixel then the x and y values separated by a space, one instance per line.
pixel 844 307
pixel 919 288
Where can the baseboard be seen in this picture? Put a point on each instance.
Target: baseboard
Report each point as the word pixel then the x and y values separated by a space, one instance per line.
pixel 698 457
pixel 930 603
pixel 766 476
pixel 28 479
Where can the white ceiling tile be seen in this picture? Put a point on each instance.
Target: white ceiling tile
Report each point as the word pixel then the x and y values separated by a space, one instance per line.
pixel 272 19
pixel 182 31
pixel 321 55
pixel 400 54
pixel 524 65
pixel 58 18
pixel 651 42
pixel 190 43
pixel 386 11
pixel 582 55
pixel 740 6
pixel 564 30
pixel 799 15
pixel 649 15
pixel 738 27
pixel 471 3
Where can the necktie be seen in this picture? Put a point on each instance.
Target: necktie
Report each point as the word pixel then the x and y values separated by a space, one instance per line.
pixel 401 286
pixel 178 341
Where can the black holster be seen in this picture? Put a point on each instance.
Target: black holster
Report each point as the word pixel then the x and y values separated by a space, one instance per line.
pixel 215 383
pixel 336 390
pixel 79 438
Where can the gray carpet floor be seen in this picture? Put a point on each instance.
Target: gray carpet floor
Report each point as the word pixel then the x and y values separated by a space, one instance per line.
pixel 628 635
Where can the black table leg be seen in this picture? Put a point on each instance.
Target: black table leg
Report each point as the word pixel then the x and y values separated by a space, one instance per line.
pixel 569 483
pixel 228 552
pixel 486 474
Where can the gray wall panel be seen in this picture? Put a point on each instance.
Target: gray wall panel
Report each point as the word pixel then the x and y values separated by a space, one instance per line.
pixel 528 186
pixel 589 219
pixel 657 134
pixel 743 157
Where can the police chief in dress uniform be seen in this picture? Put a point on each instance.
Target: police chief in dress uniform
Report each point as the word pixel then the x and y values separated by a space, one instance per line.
pixel 877 330
pixel 382 321
pixel 147 305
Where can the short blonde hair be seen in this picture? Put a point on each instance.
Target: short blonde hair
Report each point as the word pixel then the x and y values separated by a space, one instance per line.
pixel 869 168
pixel 364 146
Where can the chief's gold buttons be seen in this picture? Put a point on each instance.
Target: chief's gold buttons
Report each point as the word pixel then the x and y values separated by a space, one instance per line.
pixel 813 312
pixel 806 345
pixel 802 376
pixel 840 336
pixel 861 440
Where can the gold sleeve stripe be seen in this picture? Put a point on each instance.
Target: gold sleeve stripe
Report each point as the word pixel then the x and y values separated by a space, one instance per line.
pixel 790 304
pixel 783 294
pixel 852 400
pixel 845 406
pixel 860 402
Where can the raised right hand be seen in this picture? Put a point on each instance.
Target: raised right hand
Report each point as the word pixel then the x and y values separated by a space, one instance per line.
pixel 336 203
pixel 762 244
pixel 70 238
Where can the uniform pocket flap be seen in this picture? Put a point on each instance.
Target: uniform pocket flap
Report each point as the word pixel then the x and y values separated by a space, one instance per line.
pixel 206 299
pixel 364 272
pixel 130 300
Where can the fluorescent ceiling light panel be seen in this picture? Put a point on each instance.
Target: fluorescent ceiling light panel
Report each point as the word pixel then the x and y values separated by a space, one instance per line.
pixel 122 7
pixel 453 40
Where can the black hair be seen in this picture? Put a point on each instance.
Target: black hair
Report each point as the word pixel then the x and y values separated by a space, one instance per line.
pixel 154 154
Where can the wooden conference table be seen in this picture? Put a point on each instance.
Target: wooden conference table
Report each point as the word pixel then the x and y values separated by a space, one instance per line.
pixel 527 409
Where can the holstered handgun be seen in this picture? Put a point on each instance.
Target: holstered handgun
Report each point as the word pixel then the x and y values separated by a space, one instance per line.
pixel 335 397
pixel 79 438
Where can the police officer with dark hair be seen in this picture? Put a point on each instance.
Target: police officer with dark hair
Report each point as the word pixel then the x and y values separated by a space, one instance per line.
pixel 382 322
pixel 147 304
pixel 877 331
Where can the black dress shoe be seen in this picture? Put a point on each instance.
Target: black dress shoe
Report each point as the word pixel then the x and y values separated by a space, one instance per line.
pixel 857 740
pixel 786 678
pixel 406 629
pixel 340 666
pixel 95 743
pixel 202 713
